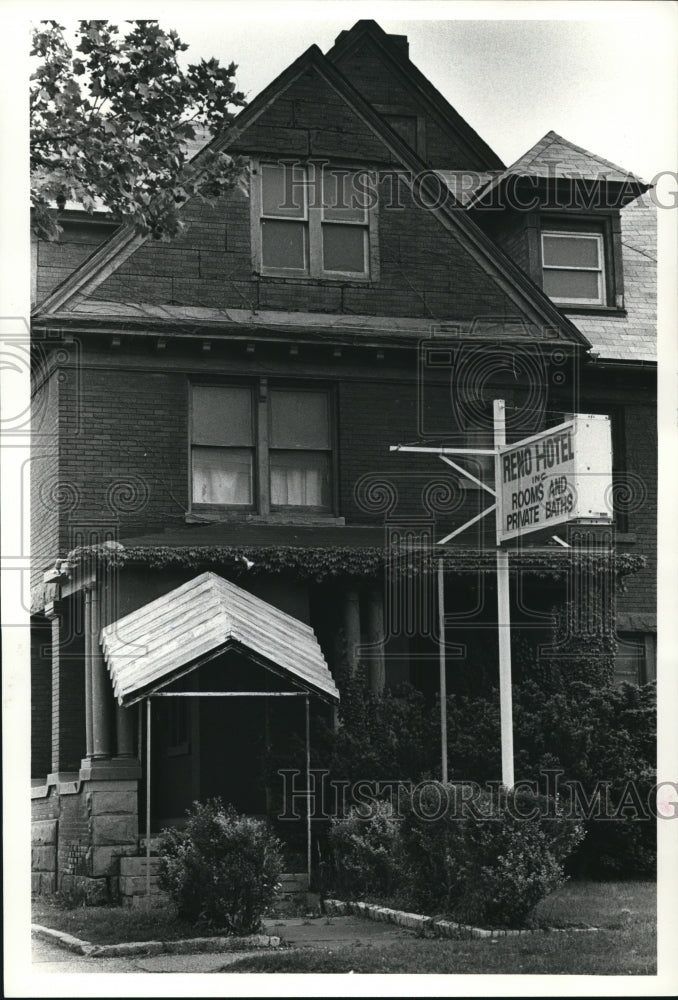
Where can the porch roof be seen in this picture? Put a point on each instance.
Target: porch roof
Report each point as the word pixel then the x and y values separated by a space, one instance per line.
pixel 173 635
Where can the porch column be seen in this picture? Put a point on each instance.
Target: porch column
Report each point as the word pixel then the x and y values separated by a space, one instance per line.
pixel 352 628
pixel 54 618
pixel 101 685
pixel 375 625
pixel 68 716
pixel 124 731
pixel 88 672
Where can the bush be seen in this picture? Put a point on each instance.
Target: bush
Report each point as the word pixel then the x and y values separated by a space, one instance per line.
pixel 484 863
pixel 596 735
pixel 222 871
pixel 365 851
pixel 381 737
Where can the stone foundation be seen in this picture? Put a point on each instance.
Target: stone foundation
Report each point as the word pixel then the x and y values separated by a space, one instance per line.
pixel 133 884
pixel 81 829
pixel 43 856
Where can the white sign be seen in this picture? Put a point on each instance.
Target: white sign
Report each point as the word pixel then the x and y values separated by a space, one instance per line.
pixel 559 475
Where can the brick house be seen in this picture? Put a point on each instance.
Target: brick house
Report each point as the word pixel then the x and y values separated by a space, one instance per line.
pixel 215 506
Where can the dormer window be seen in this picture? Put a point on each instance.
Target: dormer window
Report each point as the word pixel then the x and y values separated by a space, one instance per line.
pixel 573 268
pixel 312 220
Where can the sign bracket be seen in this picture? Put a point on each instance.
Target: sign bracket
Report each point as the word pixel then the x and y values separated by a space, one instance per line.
pixel 578 448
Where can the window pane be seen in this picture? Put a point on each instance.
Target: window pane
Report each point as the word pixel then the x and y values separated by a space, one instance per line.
pixel 283 191
pixel 222 415
pixel 299 419
pixel 283 244
pixel 344 249
pixel 343 199
pixel 300 479
pixel 222 475
pixel 572 285
pixel 571 251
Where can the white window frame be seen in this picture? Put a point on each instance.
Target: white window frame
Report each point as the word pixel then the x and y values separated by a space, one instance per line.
pixel 313 221
pixel 599 270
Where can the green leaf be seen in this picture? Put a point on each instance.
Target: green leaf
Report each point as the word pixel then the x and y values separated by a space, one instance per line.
pixel 130 119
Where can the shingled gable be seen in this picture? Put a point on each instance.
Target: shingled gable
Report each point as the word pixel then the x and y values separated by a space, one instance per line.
pixel 255 130
pixel 401 84
pixel 556 158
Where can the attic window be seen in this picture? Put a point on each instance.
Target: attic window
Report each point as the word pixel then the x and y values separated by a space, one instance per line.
pixel 312 221
pixel 573 267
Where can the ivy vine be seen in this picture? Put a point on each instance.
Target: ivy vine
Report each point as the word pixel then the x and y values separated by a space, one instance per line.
pixel 320 564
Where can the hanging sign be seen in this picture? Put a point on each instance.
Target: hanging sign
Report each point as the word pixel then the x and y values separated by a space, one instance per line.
pixel 560 475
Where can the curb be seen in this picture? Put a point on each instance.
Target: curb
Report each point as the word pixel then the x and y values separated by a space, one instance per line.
pixel 437 928
pixel 183 947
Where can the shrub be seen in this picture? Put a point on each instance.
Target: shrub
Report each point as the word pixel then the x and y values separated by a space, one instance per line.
pixel 365 851
pixel 222 870
pixel 596 735
pixel 483 862
pixel 383 736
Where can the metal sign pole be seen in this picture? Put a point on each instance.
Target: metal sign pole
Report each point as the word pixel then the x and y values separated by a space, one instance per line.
pixel 503 621
pixel 559 459
pixel 148 802
pixel 443 678
pixel 308 790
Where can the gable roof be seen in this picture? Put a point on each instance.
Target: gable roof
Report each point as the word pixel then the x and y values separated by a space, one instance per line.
pixel 175 634
pixel 395 54
pixel 556 158
pixel 512 280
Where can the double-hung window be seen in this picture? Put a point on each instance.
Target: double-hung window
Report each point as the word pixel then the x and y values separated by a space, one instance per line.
pixel 299 449
pixel 573 267
pixel 312 221
pixel 261 449
pixel 222 454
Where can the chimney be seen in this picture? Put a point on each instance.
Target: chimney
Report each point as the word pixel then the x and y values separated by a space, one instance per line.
pixel 400 43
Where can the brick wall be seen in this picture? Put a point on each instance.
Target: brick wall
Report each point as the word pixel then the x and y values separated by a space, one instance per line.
pixel 424 270
pixel 128 462
pixel 128 465
pixel 45 495
pixel 381 84
pixel 41 699
pixel 632 394
pixel 56 260
pixel 510 232
pixel 641 461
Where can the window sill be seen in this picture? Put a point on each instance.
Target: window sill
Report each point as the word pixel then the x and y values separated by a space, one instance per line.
pixel 324 279
pixel 591 310
pixel 278 517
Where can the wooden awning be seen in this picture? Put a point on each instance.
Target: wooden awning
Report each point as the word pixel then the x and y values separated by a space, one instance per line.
pixel 173 635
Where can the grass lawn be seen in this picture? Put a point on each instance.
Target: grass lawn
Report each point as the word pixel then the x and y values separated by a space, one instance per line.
pixel 609 953
pixel 114 924
pixel 626 945
pixel 599 904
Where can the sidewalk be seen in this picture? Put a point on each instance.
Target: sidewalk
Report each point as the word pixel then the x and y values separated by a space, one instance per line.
pixel 317 932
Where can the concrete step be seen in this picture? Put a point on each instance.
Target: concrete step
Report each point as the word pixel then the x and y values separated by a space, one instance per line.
pixel 136 866
pixel 292 882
